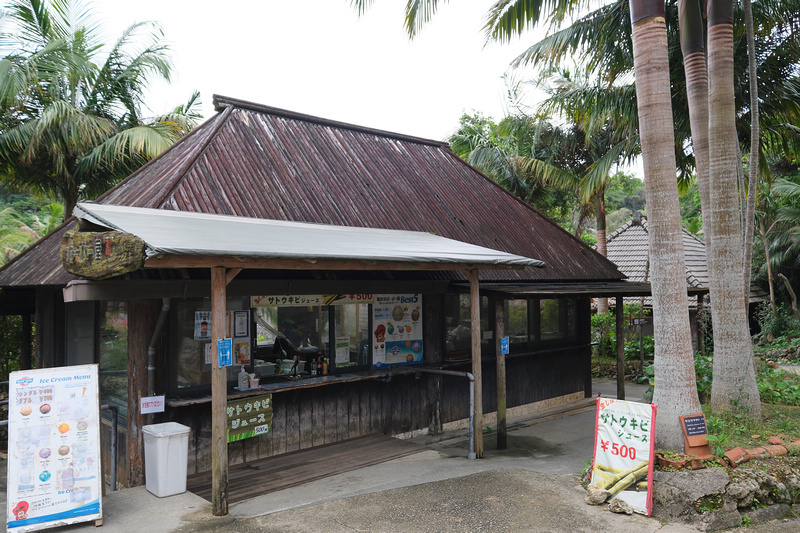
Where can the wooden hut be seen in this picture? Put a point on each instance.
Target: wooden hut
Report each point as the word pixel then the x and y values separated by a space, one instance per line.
pixel 401 201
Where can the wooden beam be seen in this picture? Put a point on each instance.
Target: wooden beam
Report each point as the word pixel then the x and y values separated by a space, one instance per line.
pixel 500 332
pixel 277 263
pixel 475 323
pixel 219 397
pixel 231 274
pixel 620 317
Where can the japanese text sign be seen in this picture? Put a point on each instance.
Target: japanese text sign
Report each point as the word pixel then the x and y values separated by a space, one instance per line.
pixel 248 417
pixel 624 453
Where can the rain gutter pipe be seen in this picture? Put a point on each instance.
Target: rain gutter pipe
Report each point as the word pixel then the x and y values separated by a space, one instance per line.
pixel 151 348
pixel 113 444
pixel 457 373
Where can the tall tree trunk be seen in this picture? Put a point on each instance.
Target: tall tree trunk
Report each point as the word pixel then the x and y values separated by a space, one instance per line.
pixel 734 380
pixel 755 145
pixel 695 67
pixel 675 385
pixel 602 244
pixel 692 37
pixel 763 232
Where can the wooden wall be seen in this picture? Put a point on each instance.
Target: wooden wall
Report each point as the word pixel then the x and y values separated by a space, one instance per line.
pixel 308 418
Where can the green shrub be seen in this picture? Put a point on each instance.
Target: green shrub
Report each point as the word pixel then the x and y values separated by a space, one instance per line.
pixel 777 386
pixel 784 324
pixel 703 370
pixel 632 349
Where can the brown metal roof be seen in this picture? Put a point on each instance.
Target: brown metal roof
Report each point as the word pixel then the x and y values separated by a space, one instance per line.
pixel 256 161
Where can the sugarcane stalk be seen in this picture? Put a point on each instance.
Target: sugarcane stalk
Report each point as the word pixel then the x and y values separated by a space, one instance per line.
pixel 606 483
pixel 607 468
pixel 629 479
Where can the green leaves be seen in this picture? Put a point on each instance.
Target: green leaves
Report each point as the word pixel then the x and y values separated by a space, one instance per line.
pixel 70 120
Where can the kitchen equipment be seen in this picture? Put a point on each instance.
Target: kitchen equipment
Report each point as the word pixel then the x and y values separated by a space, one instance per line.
pixel 262 369
pixel 286 366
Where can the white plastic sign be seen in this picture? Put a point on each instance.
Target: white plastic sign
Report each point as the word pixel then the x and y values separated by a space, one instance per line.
pixel 623 451
pixel 54 468
pixel 151 404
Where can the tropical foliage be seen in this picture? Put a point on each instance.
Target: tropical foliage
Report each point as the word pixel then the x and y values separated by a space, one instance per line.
pixel 71 109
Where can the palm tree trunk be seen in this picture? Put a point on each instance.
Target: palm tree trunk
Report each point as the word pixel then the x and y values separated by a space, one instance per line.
pixel 755 145
pixel 770 281
pixel 675 387
pixel 602 244
pixel 692 37
pixel 734 382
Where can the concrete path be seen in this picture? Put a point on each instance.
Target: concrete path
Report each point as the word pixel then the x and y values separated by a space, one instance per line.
pixel 530 487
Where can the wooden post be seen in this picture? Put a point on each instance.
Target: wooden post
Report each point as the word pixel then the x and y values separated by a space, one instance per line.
pixel 620 317
pixel 26 361
pixel 500 331
pixel 701 341
pixel 475 324
pixel 219 397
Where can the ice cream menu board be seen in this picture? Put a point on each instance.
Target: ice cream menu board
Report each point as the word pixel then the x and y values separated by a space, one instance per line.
pixel 397 329
pixel 54 470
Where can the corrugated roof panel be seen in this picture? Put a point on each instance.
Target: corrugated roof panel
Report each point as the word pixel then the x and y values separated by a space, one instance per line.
pixel 259 162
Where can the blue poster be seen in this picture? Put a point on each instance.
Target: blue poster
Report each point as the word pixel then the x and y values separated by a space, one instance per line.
pixel 225 352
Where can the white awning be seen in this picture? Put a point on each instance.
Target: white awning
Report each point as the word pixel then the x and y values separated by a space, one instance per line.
pixel 180 233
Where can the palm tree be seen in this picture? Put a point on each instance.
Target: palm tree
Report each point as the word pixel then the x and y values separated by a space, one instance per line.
pixel 47 223
pixel 712 114
pixel 15 236
pixel 72 125
pixel 675 385
pixel 676 390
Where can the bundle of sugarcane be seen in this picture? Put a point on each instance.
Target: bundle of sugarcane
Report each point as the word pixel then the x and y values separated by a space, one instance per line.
pixel 615 480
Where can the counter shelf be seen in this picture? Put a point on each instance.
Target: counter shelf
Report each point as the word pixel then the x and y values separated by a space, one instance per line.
pixel 281 384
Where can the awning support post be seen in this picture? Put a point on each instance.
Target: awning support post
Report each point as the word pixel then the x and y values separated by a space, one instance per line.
pixel 475 325
pixel 500 328
pixel 620 318
pixel 219 397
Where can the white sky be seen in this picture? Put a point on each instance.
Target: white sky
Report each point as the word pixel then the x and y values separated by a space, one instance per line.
pixel 318 57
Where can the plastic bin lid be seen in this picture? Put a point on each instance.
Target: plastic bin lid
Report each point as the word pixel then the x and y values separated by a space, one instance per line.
pixel 166 429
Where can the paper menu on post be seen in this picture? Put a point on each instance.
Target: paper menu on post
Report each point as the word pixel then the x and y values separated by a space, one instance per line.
pixel 54 469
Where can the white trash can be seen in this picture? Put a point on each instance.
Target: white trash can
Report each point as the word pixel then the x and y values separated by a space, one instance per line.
pixel 166 451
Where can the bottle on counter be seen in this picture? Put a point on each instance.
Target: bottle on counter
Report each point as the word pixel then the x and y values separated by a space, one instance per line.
pixel 325 366
pixel 313 363
pixel 319 366
pixel 244 379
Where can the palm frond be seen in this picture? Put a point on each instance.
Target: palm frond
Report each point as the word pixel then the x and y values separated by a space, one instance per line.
pixel 419 13
pixel 787 188
pixel 117 156
pixel 548 174
pixel 596 176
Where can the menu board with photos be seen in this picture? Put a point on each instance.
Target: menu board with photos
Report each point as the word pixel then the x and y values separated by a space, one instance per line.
pixel 54 469
pixel 397 324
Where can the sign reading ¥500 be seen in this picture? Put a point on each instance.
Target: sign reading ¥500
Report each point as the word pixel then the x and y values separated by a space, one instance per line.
pixel 249 417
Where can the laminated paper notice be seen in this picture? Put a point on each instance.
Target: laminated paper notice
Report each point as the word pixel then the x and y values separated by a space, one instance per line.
pixel 397 335
pixel 624 453
pixel 54 472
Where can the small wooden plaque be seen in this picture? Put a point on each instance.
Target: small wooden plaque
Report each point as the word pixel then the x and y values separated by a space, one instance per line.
pixel 101 255
pixel 694 434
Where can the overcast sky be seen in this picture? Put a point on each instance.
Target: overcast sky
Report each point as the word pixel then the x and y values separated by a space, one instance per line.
pixel 318 57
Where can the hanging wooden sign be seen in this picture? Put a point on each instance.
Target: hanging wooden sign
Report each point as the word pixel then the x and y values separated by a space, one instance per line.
pixel 101 255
